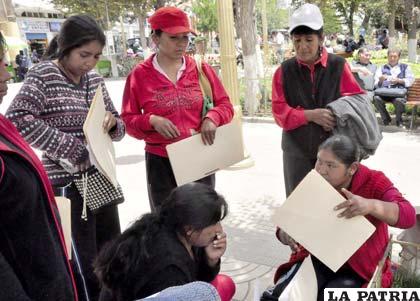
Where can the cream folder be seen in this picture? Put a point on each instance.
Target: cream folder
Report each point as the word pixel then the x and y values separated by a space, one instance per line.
pixel 64 208
pixel 192 160
pixel 308 216
pixel 100 145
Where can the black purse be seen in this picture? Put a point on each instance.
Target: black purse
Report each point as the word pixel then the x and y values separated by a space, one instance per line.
pixel 391 92
pixel 97 191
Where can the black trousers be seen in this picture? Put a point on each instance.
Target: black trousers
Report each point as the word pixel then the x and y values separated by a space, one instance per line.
pixel 399 104
pixel 343 278
pixel 295 168
pixel 161 180
pixel 88 237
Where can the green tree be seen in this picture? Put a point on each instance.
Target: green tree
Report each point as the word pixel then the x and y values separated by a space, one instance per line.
pixel 277 18
pixel 206 13
pixel 95 8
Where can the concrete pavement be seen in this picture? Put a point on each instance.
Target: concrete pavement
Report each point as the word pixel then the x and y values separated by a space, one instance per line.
pixel 253 252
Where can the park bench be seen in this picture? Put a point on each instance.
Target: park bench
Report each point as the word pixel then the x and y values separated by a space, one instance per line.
pixel 344 54
pixel 413 99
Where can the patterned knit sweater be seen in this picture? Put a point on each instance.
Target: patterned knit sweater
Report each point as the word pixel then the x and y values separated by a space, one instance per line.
pixel 49 112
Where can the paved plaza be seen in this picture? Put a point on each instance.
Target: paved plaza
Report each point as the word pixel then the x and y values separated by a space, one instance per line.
pixel 253 252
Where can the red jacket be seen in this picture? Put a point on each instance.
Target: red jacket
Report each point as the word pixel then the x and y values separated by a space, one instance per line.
pixel 370 184
pixel 8 131
pixel 149 92
pixel 290 118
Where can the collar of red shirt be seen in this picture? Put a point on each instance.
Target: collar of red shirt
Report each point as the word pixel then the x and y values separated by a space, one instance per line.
pixel 322 60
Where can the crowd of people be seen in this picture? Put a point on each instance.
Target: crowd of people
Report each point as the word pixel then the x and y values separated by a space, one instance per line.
pixel 177 248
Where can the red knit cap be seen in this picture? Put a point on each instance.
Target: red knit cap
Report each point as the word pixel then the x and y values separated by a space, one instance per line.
pixel 170 20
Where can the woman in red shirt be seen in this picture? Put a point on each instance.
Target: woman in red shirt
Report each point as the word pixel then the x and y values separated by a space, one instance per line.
pixel 369 193
pixel 302 88
pixel 163 103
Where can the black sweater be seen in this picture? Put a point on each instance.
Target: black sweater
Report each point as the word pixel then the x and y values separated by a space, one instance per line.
pixel 169 265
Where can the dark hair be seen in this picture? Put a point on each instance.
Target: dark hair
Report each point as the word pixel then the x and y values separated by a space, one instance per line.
pixel 157 32
pixel 75 32
pixel 343 148
pixel 307 30
pixel 196 205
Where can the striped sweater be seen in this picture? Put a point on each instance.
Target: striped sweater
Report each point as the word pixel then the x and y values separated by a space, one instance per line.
pixel 49 112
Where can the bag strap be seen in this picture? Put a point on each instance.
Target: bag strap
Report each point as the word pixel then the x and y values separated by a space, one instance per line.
pixel 203 80
pixel 85 188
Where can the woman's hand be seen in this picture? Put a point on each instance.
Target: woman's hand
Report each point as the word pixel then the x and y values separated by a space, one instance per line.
pixel 216 248
pixel 208 131
pixel 287 240
pixel 323 117
pixel 109 122
pixel 164 126
pixel 354 205
pixel 83 166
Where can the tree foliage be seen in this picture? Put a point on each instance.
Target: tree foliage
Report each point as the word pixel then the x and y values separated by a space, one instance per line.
pixel 206 13
pixel 277 18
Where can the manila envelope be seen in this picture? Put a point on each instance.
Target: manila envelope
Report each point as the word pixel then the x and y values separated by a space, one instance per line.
pixel 100 143
pixel 309 217
pixel 191 160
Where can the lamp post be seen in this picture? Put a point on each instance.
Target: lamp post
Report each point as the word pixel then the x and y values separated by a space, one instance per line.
pixel 227 50
pixel 228 66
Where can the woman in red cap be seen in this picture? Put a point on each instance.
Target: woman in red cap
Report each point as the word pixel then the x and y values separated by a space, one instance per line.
pixel 163 103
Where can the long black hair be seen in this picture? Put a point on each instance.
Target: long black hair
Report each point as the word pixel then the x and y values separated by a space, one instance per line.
pixel 75 32
pixel 192 205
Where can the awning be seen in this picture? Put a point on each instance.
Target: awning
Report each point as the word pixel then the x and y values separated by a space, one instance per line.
pixel 36 36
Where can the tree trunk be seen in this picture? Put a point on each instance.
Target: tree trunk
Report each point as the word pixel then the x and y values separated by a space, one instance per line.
pixel 249 41
pixel 141 18
pixel 391 23
pixel 366 19
pixel 411 17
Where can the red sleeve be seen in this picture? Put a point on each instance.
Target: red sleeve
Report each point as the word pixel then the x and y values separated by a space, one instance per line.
pixel 136 122
pixel 407 213
pixel 287 117
pixel 349 85
pixel 222 111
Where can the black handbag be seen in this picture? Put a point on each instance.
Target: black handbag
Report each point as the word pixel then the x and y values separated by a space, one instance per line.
pixel 96 190
pixel 391 92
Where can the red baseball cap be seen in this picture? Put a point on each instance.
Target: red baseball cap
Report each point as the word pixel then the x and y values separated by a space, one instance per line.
pixel 170 20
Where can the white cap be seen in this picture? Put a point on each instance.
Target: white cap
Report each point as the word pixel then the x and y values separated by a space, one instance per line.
pixel 307 15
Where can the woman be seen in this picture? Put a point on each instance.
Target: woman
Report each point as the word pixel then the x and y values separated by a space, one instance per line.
pixel 50 110
pixel 369 193
pixel 302 87
pixel 180 244
pixel 163 103
pixel 33 259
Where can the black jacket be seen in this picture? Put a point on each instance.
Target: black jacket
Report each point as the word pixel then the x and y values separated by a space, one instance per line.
pixel 169 265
